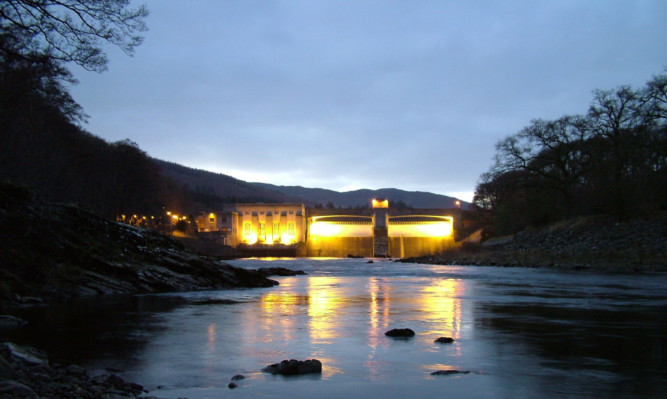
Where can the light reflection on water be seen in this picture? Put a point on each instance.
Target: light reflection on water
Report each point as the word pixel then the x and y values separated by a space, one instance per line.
pixel 521 333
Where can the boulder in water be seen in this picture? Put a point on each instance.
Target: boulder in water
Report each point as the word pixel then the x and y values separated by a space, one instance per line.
pixel 400 333
pixel 295 367
pixel 449 372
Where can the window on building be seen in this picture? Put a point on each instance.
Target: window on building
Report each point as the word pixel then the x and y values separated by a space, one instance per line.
pixel 291 229
pixel 262 230
pixel 247 228
pixel 276 229
pixel 212 220
pixel 291 212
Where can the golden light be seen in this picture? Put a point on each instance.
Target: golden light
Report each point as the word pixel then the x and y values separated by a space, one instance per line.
pixel 457 203
pixel 211 334
pixel 319 228
pixel 250 238
pixel 435 229
pixel 323 302
pixel 175 217
pixel 380 203
pixel 423 229
pixel 285 239
pixel 211 215
pixel 325 229
pixel 441 304
pixel 169 213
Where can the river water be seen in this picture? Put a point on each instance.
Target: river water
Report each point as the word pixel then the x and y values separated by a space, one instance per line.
pixel 521 333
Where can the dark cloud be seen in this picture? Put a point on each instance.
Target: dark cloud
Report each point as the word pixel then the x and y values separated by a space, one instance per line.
pixel 349 94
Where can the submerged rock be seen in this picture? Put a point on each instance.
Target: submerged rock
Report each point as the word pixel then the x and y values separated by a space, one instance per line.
pixel 25 354
pixel 450 372
pixel 400 333
pixel 76 370
pixel 215 301
pixel 444 340
pixel 294 367
pixel 15 389
pixel 238 377
pixel 8 322
pixel 25 373
pixel 279 271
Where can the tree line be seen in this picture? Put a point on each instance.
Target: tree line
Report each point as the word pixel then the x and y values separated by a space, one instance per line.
pixel 610 160
pixel 42 142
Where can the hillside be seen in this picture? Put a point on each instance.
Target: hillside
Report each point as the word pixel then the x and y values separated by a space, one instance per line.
pixel 56 251
pixel 350 199
pixel 228 189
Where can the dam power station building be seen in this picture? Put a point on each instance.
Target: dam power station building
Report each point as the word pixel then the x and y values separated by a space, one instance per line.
pixel 292 229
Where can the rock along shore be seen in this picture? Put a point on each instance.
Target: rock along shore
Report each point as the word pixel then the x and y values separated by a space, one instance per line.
pixel 25 373
pixel 597 243
pixel 59 251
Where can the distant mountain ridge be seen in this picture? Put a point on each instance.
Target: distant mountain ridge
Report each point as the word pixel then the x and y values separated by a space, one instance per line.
pixel 363 197
pixel 226 187
pixel 231 189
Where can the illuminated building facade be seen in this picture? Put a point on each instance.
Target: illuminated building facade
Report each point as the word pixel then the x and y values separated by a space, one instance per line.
pixel 257 224
pixel 376 232
pixel 223 224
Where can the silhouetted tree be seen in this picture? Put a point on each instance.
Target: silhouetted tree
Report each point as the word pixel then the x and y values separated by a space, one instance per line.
pixel 552 152
pixel 612 160
pixel 69 30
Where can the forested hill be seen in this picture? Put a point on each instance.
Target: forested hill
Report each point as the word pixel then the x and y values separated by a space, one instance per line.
pixel 215 188
pixel 211 187
pixel 350 199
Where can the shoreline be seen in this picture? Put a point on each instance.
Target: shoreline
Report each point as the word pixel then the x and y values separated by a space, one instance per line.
pixel 52 252
pixel 25 372
pixel 598 243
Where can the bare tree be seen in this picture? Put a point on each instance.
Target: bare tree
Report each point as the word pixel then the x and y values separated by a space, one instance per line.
pixel 655 97
pixel 551 151
pixel 70 30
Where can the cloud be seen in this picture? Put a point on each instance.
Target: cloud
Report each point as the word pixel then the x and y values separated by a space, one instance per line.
pixel 374 93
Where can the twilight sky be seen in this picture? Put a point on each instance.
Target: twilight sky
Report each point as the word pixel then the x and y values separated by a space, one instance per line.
pixel 363 94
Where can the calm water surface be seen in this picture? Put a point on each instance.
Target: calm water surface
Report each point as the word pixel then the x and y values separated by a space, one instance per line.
pixel 522 333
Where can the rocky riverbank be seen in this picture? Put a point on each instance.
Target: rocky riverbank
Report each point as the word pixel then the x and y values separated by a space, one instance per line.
pixel 25 373
pixel 59 251
pixel 598 243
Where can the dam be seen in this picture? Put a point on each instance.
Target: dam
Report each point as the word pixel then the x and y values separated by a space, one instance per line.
pixel 381 234
pixel 288 228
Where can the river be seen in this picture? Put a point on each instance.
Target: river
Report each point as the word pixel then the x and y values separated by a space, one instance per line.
pixel 521 333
